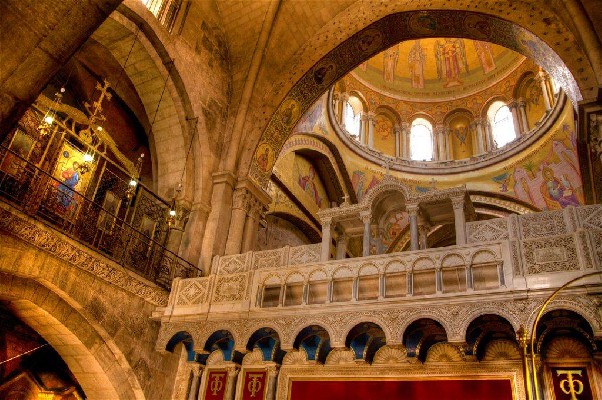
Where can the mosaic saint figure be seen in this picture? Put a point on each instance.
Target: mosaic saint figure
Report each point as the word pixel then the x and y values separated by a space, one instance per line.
pixel 390 57
pixel 449 54
pixel 416 60
pixel 485 55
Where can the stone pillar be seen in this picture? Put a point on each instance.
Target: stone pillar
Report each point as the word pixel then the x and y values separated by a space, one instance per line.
pixel 480 136
pixel 439 148
pixel 397 132
pixel 336 106
pixel 448 147
pixel 215 237
pixel 272 379
pixel 547 94
pixel 412 210
pixel 197 370
pixel 362 135
pixel 194 235
pixel 366 219
pixel 326 236
pixel 459 219
pixel 489 135
pixel 252 225
pixel 342 241
pixel 522 111
pixel 371 124
pixel 344 98
pixel 240 207
pixel 231 383
pixel 405 132
pixel 423 231
pixel 513 106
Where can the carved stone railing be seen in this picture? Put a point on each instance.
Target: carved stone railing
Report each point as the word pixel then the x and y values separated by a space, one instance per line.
pixel 38 194
pixel 533 251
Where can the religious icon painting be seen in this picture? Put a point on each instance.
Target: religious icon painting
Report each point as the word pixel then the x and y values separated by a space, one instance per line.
pixel 72 176
pixel 13 162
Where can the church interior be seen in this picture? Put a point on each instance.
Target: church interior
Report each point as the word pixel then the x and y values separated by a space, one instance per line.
pixel 301 199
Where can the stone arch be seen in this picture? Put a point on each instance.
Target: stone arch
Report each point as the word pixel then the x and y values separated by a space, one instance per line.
pixel 489 102
pixel 389 113
pixel 186 340
pixel 306 324
pixel 585 309
pixel 425 315
pixel 463 324
pixel 371 39
pixel 267 340
pixel 100 367
pixel 311 146
pixel 387 185
pixel 358 319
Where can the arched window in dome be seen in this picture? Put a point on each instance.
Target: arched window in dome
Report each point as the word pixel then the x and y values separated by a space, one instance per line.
pixel 352 117
pixel 421 140
pixel 502 124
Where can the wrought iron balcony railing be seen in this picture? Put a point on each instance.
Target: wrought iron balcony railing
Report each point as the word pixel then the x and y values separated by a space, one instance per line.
pixel 42 196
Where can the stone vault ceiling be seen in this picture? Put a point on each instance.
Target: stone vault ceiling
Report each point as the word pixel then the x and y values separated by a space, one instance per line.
pixel 437 69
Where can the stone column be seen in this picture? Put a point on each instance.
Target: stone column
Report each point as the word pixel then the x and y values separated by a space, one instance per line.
pixel 342 241
pixel 405 132
pixel 489 135
pixel 272 379
pixel 362 135
pixel 252 225
pixel 231 383
pixel 543 81
pixel 194 235
pixel 366 219
pixel 522 111
pixel 439 148
pixel 413 216
pixel 480 136
pixel 326 235
pixel 344 98
pixel 513 106
pixel 397 132
pixel 423 231
pixel 371 124
pixel 197 370
pixel 215 237
pixel 237 223
pixel 336 106
pixel 459 219
pixel 448 147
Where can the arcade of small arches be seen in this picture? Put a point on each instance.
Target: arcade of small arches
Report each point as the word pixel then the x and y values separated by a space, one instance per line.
pixel 487 337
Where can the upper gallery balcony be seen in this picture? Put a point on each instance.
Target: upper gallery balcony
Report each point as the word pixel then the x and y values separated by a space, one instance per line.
pixel 61 168
pixel 497 257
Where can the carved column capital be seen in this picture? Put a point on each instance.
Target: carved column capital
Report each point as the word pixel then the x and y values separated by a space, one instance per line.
pixel 366 217
pixel 458 203
pixel 413 209
pixel 241 199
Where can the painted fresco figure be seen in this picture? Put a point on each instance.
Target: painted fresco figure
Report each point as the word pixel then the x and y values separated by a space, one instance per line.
pixel 557 193
pixel 309 186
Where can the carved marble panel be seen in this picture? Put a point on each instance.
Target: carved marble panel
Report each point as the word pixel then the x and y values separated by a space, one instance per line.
pixel 269 258
pixel 304 254
pixel 555 254
pixel 487 231
pixel 192 291
pixel 234 264
pixel 590 217
pixel 542 224
pixel 230 288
